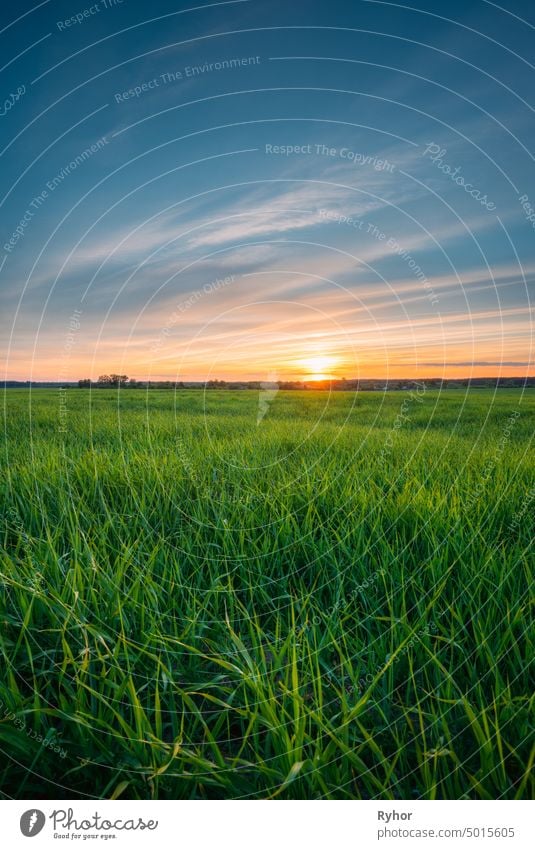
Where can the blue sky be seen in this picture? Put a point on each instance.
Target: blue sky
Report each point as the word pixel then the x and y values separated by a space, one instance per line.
pixel 252 189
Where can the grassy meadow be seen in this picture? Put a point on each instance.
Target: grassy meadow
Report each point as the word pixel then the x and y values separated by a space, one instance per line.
pixel 290 595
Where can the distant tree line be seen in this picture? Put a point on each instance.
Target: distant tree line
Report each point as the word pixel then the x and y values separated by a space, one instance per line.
pixel 106 381
pixel 110 381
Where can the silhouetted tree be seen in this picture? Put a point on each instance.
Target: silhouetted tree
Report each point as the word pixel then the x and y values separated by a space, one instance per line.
pixel 113 379
pixel 119 379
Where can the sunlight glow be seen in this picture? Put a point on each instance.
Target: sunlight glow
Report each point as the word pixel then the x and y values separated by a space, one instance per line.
pixel 319 367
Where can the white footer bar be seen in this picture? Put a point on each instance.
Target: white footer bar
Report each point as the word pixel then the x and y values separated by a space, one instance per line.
pixel 268 825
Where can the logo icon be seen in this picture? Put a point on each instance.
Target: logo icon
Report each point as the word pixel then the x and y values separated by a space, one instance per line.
pixel 268 389
pixel 32 822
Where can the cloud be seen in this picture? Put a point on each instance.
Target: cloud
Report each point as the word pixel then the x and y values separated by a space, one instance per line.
pixel 283 211
pixel 482 363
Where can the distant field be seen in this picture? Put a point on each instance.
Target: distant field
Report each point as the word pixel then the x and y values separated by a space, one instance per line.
pixel 244 594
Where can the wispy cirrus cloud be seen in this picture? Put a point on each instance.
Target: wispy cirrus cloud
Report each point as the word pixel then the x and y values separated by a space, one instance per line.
pixel 480 363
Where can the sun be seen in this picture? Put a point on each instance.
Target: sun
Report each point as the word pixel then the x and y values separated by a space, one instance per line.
pixel 320 367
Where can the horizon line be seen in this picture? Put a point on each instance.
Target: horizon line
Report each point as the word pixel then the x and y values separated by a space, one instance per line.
pixel 303 380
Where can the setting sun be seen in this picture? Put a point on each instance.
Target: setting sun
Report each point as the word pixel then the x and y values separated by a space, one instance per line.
pixel 320 367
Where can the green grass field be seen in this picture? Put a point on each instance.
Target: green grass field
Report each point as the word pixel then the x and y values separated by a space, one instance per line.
pixel 330 603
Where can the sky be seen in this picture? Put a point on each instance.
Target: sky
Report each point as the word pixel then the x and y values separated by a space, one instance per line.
pixel 266 190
